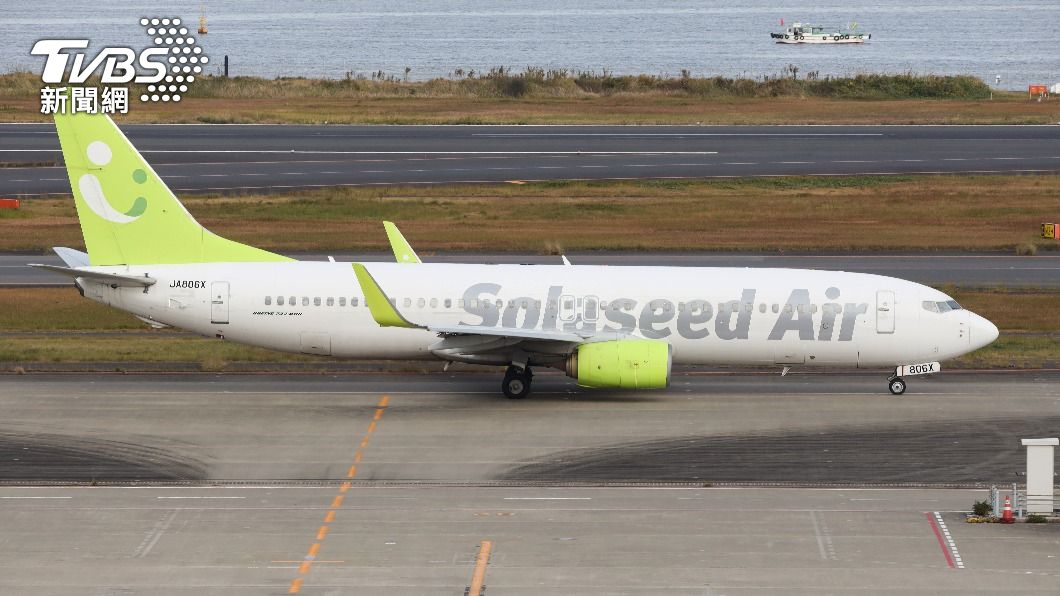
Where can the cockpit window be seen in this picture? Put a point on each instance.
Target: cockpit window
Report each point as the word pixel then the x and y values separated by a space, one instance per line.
pixel 940 307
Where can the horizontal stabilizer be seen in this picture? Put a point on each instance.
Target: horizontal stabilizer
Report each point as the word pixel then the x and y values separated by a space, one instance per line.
pixel 72 258
pixel 112 279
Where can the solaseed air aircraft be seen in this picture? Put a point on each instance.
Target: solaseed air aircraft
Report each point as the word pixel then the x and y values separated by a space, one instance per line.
pixel 610 327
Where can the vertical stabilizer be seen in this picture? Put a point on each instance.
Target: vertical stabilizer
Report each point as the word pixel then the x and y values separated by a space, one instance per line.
pixel 127 213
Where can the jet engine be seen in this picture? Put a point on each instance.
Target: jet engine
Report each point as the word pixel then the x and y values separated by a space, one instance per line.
pixel 622 364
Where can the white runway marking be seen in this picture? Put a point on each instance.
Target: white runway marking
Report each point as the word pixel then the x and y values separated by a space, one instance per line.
pixel 36 497
pixel 677 134
pixel 199 497
pixel 949 541
pixel 824 537
pixel 548 498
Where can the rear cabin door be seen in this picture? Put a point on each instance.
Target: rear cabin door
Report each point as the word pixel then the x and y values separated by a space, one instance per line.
pixel 219 302
pixel 884 311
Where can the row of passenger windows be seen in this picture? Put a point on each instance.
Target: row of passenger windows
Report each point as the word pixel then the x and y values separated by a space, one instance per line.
pixel 589 305
pixel 306 301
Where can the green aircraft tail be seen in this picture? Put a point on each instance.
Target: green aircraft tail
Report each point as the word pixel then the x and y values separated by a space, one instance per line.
pixel 128 215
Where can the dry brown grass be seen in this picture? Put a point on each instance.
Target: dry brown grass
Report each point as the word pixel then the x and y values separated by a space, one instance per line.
pixel 614 109
pixel 860 213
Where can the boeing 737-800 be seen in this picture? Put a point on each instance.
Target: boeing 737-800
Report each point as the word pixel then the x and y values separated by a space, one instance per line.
pixel 610 327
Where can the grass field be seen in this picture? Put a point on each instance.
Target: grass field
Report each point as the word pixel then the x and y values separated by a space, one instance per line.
pixel 856 213
pixel 535 96
pixel 29 318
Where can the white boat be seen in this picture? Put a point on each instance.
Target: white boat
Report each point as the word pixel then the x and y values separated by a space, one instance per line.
pixel 807 33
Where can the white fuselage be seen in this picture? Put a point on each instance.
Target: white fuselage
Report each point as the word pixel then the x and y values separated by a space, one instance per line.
pixel 708 315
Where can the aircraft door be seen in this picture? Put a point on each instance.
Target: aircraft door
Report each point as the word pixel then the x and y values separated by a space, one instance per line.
pixel 884 311
pixel 219 302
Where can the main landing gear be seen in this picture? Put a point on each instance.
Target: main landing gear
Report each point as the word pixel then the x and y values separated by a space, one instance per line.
pixel 516 383
pixel 896 385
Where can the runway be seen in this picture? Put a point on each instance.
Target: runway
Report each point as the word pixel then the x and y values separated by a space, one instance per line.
pixel 961 269
pixel 263 158
pixel 392 484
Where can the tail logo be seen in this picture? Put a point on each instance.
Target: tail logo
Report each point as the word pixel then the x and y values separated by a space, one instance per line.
pixel 99 153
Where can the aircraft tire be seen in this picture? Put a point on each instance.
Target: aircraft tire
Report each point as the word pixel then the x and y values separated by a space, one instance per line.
pixel 896 386
pixel 516 383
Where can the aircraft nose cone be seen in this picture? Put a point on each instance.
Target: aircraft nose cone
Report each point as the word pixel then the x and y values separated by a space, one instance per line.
pixel 983 332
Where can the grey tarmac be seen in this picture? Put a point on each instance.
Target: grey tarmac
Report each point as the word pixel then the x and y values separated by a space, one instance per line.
pixel 961 269
pixel 266 158
pixel 389 484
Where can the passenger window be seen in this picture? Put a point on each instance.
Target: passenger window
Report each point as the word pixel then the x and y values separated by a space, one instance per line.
pixel 434 303
pixel 279 300
pixel 448 302
pixel 354 301
pixel 787 307
pixel 407 302
pixel 316 301
pixel 292 301
pixel 268 300
pixel 342 301
pixel 762 307
pixel 305 300
pixel 537 304
pixel 331 301
pixel 421 303
pixel 500 304
pixel 776 308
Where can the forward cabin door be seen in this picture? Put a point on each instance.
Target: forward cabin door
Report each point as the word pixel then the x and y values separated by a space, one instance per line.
pixel 219 302
pixel 884 311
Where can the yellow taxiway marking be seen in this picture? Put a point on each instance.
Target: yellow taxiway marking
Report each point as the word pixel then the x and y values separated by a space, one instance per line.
pixel 306 564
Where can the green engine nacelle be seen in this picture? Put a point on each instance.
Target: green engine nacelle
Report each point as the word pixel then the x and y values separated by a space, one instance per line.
pixel 623 364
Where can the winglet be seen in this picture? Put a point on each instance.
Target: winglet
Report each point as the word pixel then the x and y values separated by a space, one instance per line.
pixel 402 250
pixel 382 308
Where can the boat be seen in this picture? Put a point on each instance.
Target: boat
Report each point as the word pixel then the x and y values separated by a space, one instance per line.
pixel 807 33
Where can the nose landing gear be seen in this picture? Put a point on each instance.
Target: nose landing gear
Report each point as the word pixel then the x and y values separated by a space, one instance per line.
pixel 896 385
pixel 516 383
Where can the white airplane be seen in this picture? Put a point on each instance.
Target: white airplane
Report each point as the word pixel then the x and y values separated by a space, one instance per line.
pixel 611 327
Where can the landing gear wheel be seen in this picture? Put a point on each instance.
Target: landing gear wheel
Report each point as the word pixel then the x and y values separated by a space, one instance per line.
pixel 896 385
pixel 516 383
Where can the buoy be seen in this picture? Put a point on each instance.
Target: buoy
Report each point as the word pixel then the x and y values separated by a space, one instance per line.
pixel 1006 513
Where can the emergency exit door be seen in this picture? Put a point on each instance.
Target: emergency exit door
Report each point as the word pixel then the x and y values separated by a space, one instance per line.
pixel 219 302
pixel 884 311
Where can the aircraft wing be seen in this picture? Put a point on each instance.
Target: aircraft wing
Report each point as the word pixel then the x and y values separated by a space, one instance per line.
pixel 521 334
pixel 461 341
